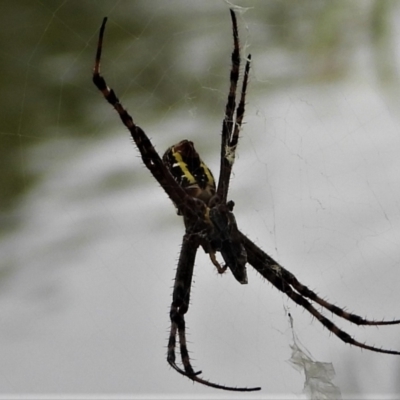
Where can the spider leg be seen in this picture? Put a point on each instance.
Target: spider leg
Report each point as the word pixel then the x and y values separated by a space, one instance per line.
pixel 179 307
pixel 227 125
pixel 306 292
pixel 240 110
pixel 231 128
pixel 283 281
pixel 148 153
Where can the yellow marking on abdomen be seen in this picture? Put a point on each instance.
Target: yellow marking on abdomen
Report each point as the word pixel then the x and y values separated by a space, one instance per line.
pixel 184 167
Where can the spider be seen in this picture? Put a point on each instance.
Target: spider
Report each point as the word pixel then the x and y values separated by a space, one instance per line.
pixel 209 220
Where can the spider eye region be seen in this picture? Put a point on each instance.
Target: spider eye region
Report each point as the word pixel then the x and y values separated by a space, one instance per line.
pixel 188 169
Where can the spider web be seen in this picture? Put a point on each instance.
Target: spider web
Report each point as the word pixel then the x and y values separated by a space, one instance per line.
pixel 90 242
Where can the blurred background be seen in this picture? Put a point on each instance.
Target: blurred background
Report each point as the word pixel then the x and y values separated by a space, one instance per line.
pixel 89 242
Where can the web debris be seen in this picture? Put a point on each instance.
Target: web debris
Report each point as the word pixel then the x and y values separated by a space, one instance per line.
pixel 319 375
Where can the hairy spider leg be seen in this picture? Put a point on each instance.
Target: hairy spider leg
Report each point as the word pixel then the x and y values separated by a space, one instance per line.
pixel 150 157
pixel 353 318
pixel 179 307
pixel 283 281
pixel 231 128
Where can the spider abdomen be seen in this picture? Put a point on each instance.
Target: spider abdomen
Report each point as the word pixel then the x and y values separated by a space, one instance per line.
pixel 187 168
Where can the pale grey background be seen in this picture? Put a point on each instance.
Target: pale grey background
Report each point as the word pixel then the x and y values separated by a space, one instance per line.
pixel 89 255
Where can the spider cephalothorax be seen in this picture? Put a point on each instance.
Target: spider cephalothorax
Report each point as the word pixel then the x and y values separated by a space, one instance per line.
pixel 210 223
pixel 216 228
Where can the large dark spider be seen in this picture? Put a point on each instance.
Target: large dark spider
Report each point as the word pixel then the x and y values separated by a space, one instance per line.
pixel 209 220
